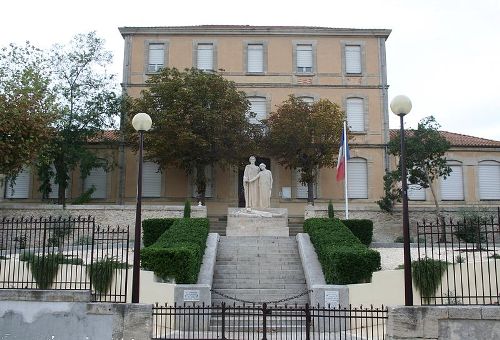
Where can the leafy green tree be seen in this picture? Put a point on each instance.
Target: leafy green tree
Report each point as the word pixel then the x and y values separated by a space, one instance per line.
pixel 199 119
pixel 87 103
pixel 425 161
pixel 305 136
pixel 26 106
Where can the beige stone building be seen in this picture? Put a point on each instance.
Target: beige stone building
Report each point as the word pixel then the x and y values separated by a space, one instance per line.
pixel 268 63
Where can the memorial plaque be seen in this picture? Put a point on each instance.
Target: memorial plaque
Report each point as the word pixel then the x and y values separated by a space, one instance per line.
pixel 191 295
pixel 332 298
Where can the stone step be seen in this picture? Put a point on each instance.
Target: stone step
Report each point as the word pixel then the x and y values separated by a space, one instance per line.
pixel 257 284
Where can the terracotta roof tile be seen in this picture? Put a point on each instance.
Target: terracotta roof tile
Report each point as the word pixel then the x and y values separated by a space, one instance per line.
pixel 106 136
pixel 457 139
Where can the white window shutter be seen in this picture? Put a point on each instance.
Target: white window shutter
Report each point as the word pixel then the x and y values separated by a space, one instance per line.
pixel 416 192
pixel 209 176
pixel 353 59
pixel 258 106
pixel 301 189
pixel 489 180
pixel 96 178
pixel 21 188
pixel 156 58
pixel 452 188
pixel 151 180
pixel 357 178
pixel 355 114
pixel 255 58
pixel 304 58
pixel 205 57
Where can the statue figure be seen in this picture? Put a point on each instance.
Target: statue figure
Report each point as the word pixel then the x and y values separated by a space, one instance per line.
pixel 265 181
pixel 251 188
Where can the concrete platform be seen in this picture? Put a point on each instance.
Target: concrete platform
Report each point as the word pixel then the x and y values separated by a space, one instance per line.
pixel 262 222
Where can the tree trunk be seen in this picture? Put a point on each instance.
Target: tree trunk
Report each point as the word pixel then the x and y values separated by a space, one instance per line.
pixel 439 215
pixel 201 183
pixel 310 192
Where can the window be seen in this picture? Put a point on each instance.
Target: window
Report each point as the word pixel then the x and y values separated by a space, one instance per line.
pixel 97 179
pixel 352 59
pixel 156 57
pixel 54 187
pixel 301 189
pixel 355 114
pixel 357 179
pixel 416 192
pixel 151 180
pixel 308 100
pixel 258 106
pixel 209 176
pixel 304 58
pixel 205 57
pixel 489 180
pixel 20 187
pixel 452 188
pixel 255 58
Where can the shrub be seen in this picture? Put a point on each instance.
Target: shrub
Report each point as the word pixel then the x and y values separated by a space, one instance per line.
pixel 85 197
pixel 331 212
pixel 187 209
pixel 178 252
pixel 153 228
pixel 469 228
pixel 401 239
pixel 102 272
pixel 343 257
pixel 362 229
pixel 43 268
pixel 427 275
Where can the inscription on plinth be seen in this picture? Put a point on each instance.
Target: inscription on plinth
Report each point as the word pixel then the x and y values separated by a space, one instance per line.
pixel 257 222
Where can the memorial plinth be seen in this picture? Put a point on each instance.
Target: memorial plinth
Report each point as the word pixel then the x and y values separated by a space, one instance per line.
pixel 257 222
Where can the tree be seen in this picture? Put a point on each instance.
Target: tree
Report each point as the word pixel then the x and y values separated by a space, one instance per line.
pixel 425 161
pixel 87 103
pixel 199 119
pixel 305 136
pixel 26 106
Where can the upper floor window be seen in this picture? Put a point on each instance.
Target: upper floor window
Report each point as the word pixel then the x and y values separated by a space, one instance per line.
pixel 489 180
pixel 355 114
pixel 156 57
pixel 304 55
pixel 258 105
pixel 353 59
pixel 452 188
pixel 255 58
pixel 205 56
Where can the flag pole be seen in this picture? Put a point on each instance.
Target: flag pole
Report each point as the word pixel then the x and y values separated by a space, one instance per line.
pixel 345 171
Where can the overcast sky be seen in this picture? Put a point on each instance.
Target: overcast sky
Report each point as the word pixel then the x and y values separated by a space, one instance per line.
pixel 443 54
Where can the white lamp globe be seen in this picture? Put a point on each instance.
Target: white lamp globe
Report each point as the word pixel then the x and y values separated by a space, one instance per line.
pixel 142 122
pixel 401 105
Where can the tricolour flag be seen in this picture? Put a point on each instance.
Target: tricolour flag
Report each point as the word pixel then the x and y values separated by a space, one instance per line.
pixel 343 157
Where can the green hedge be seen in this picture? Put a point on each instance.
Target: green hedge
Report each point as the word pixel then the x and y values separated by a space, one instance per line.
pixel 178 252
pixel 343 257
pixel 153 228
pixel 362 229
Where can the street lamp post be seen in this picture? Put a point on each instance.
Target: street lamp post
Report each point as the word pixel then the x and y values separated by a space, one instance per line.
pixel 141 123
pixel 401 106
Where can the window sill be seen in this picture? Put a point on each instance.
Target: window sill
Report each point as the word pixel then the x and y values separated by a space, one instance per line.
pixel 305 74
pixel 354 75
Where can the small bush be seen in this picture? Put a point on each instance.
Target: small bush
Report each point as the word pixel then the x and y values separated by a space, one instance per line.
pixel 362 229
pixel 459 259
pixel 331 212
pixel 401 239
pixel 469 228
pixel 44 269
pixel 153 228
pixel 178 252
pixel 187 209
pixel 84 197
pixel 343 257
pixel 427 274
pixel 102 272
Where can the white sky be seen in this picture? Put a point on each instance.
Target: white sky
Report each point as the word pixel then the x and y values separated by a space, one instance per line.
pixel 443 54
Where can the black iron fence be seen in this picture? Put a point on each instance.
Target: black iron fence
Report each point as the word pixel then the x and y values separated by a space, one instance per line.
pixel 459 261
pixel 268 322
pixel 66 254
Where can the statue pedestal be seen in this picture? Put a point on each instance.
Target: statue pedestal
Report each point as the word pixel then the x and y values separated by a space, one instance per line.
pixel 257 222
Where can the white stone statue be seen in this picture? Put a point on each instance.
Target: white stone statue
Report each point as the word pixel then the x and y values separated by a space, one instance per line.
pixel 251 188
pixel 265 181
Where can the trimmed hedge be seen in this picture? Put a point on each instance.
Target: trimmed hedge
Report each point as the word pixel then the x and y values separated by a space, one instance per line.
pixel 178 252
pixel 343 257
pixel 362 229
pixel 153 228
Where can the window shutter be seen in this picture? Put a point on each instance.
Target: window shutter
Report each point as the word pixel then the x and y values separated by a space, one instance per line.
pixel 308 100
pixel 205 57
pixel 301 189
pixel 21 188
pixel 416 192
pixel 489 180
pixel 209 189
pixel 304 58
pixel 353 59
pixel 151 180
pixel 255 62
pixel 452 188
pixel 258 106
pixel 96 178
pixel 355 114
pixel 357 178
pixel 156 57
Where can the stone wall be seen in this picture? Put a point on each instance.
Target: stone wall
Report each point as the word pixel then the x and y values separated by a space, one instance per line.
pixel 444 322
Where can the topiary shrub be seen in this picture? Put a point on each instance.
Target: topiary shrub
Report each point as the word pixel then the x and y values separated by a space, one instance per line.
pixel 153 228
pixel 362 229
pixel 427 276
pixel 187 209
pixel 331 213
pixel 178 252
pixel 343 257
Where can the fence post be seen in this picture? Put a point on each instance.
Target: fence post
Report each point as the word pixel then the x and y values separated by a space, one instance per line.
pixel 308 322
pixel 223 320
pixel 264 321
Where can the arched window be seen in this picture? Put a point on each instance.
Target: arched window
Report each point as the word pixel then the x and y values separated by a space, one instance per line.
pixel 357 178
pixel 489 180
pixel 355 114
pixel 452 188
pixel 307 99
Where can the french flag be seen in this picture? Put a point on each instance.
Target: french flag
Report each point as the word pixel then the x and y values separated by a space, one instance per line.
pixel 343 157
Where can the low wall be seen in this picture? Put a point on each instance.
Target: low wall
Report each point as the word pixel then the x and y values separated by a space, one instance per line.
pixel 444 322
pixel 39 314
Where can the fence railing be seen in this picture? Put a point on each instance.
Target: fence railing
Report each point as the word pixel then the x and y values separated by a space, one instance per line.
pixel 459 261
pixel 64 254
pixel 268 322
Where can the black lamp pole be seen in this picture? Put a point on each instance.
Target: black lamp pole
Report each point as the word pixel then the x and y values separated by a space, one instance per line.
pixel 137 241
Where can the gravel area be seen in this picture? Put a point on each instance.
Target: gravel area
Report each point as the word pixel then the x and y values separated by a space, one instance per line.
pixel 393 257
